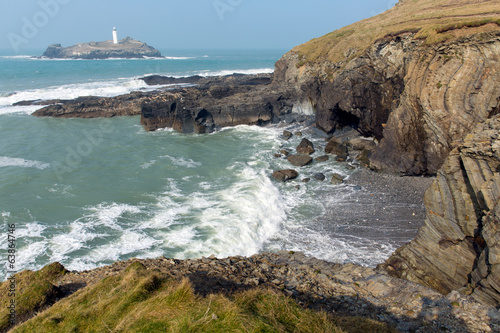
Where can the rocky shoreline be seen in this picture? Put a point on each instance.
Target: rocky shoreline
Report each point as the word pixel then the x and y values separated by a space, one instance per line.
pixel 417 106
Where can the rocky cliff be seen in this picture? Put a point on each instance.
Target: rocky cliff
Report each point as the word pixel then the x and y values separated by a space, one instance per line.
pixel 417 86
pixel 126 48
pixel 459 245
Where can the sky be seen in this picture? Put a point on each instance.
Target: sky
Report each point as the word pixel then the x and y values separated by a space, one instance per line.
pixel 28 25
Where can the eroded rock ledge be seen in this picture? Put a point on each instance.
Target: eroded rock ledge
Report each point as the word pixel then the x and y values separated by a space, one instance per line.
pixel 193 104
pixel 458 248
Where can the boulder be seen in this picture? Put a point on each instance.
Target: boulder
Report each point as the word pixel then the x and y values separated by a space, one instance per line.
pixel 284 152
pixel 284 175
pixel 337 147
pixel 323 158
pixel 305 147
pixel 361 144
pixel 287 135
pixel 458 247
pixel 319 176
pixel 299 160
pixel 337 179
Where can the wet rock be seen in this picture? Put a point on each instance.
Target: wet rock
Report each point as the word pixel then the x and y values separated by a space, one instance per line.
pixel 323 158
pixel 361 143
pixel 337 179
pixel 306 180
pixel 285 152
pixel 285 175
pixel 299 160
pixel 319 176
pixel 337 147
pixel 287 135
pixel 305 147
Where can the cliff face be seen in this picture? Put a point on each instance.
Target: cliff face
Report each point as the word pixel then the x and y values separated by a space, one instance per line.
pixel 127 48
pixel 418 100
pixel 459 244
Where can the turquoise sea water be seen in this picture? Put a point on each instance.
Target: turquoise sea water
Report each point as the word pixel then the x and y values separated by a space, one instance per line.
pixel 88 192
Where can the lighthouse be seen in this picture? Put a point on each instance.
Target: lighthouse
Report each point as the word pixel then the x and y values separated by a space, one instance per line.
pixel 115 36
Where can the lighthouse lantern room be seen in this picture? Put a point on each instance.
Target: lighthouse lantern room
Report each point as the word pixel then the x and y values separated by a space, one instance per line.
pixel 115 36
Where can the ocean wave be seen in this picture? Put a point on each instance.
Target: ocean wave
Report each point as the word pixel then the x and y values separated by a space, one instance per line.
pixel 22 163
pixel 183 162
pixel 17 57
pixel 235 71
pixel 71 91
pixel 178 58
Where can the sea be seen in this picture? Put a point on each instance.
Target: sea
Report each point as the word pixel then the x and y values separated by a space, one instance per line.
pixel 89 192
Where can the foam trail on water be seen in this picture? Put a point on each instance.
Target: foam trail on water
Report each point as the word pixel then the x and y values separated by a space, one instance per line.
pixel 71 91
pixel 22 163
pixel 235 71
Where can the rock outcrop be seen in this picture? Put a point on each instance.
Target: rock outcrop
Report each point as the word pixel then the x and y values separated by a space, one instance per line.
pixel 458 248
pixel 127 48
pixel 214 102
pixel 418 100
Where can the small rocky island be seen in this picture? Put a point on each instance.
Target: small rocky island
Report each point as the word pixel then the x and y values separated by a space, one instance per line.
pixel 127 48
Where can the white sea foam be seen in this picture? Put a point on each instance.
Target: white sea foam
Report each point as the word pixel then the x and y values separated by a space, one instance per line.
pixel 17 57
pixel 30 230
pixel 237 220
pixel 71 91
pixel 22 163
pixel 130 242
pixel 26 256
pixel 147 165
pixel 183 162
pixel 109 214
pixel 178 58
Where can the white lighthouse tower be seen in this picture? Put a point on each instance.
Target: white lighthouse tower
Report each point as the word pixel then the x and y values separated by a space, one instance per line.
pixel 115 36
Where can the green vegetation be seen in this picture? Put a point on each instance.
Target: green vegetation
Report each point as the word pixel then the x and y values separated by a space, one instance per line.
pixel 142 300
pixel 433 21
pixel 33 292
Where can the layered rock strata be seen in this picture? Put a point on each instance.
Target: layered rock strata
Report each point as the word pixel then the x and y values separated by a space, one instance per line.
pixel 458 248
pixel 417 100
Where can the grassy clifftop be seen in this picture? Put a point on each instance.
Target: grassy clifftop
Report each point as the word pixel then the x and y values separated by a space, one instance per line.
pixel 143 300
pixel 433 21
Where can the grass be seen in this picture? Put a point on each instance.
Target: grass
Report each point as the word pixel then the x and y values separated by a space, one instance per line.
pixel 141 300
pixel 34 292
pixel 433 21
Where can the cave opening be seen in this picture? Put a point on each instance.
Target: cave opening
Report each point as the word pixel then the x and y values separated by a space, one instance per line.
pixel 343 120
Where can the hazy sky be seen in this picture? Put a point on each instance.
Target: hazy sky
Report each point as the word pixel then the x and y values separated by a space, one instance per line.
pixel 174 24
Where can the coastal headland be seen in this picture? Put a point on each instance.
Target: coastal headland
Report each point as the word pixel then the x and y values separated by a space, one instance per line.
pixel 417 88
